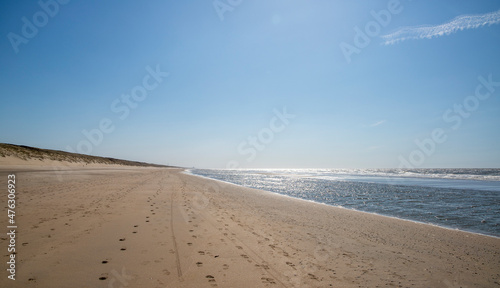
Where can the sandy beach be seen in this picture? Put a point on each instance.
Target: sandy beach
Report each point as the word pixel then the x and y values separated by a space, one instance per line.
pixel 123 226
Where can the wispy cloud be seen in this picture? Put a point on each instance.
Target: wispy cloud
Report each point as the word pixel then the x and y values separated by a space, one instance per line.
pixel 427 32
pixel 377 123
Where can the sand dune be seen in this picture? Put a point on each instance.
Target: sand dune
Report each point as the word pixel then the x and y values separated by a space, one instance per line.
pixel 30 156
pixel 120 226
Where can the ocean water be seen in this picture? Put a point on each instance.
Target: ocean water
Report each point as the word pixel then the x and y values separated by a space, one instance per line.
pixel 465 199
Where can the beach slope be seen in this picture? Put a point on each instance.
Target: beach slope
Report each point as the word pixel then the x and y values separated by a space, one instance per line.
pixel 125 226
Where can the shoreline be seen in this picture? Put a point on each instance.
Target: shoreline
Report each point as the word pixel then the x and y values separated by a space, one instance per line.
pixel 351 209
pixel 157 227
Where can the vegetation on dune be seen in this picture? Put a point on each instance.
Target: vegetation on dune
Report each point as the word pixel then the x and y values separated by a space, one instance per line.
pixel 26 153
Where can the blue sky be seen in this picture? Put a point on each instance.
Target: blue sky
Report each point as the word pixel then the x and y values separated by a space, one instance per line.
pixel 271 71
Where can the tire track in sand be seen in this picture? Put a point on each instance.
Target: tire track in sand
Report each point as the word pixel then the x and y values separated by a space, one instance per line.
pixel 177 259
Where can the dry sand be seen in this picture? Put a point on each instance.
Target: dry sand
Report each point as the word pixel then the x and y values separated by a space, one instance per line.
pixel 158 227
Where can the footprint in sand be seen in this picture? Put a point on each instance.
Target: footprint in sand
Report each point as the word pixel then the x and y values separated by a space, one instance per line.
pixel 211 280
pixel 268 280
pixel 122 239
pixel 103 277
pixel 199 264
pixel 312 276
pixel 265 267
pixel 201 252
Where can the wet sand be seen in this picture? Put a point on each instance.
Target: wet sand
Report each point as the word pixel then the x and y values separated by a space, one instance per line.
pixel 119 226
